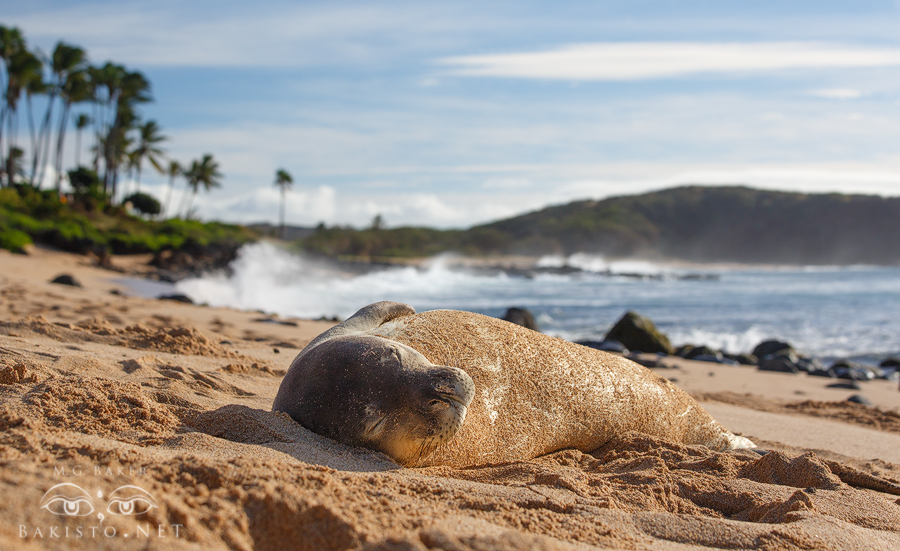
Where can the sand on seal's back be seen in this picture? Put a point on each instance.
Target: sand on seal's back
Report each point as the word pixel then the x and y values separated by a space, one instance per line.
pixel 535 394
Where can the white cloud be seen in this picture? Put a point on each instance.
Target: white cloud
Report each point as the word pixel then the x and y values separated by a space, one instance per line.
pixel 215 34
pixel 838 93
pixel 650 60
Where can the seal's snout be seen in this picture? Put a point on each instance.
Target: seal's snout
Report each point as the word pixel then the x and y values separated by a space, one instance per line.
pixel 454 384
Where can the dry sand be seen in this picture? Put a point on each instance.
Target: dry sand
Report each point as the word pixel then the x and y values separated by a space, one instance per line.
pixel 112 404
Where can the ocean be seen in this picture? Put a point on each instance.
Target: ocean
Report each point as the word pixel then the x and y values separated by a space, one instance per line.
pixel 825 312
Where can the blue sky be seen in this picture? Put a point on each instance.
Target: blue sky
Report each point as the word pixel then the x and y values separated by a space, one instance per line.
pixel 454 113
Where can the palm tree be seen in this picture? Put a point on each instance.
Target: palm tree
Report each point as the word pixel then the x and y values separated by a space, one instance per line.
pixel 81 122
pixel 13 165
pixel 204 172
pixel 66 59
pixel 116 115
pixel 283 181
pixel 34 84
pixel 11 46
pixel 173 171
pixel 75 89
pixel 147 147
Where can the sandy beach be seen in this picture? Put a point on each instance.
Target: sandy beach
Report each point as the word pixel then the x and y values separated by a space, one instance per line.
pixel 134 423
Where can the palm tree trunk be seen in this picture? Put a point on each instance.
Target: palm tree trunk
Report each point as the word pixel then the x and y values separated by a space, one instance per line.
pixel 165 209
pixel 2 118
pixel 190 204
pixel 43 138
pixel 31 122
pixel 181 205
pixel 282 212
pixel 78 148
pixel 59 143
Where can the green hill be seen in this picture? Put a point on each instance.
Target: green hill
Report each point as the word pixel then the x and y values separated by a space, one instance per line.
pixel 718 224
pixel 721 224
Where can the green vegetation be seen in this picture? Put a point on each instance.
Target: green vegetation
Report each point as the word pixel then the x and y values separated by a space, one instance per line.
pixel 405 242
pixel 144 204
pixel 122 141
pixel 88 225
pixel 705 224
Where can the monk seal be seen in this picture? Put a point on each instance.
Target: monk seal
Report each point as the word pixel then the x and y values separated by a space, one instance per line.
pixel 370 391
pixel 508 393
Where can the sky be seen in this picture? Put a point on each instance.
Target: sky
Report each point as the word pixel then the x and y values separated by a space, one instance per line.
pixel 450 114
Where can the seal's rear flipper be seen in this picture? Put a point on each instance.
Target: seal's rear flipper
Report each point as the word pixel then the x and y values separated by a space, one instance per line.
pixel 367 318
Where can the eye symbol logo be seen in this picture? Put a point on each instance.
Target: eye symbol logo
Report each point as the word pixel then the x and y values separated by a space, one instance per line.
pixel 68 500
pixel 130 500
pixel 71 500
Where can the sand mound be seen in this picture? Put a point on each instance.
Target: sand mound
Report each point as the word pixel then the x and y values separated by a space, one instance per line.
pixel 177 340
pixel 111 409
pixel 172 340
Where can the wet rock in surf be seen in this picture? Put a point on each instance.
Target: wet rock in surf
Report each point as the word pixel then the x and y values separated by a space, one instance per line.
pixel 772 348
pixel 521 316
pixel 639 333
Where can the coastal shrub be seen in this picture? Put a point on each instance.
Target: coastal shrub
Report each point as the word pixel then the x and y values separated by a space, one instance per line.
pixel 144 203
pixel 91 224
pixel 88 190
pixel 13 240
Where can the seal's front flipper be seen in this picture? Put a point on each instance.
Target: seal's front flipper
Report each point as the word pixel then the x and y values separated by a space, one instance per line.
pixel 367 318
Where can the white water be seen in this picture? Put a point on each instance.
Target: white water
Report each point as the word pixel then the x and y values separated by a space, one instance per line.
pixel 827 312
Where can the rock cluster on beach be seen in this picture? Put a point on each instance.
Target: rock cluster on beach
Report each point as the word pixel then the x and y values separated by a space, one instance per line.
pixel 641 335
pixel 636 335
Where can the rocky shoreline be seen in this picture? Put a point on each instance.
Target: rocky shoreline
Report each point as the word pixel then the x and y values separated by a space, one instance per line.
pixel 638 338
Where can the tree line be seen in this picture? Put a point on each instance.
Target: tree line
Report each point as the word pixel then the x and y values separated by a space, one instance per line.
pixel 103 100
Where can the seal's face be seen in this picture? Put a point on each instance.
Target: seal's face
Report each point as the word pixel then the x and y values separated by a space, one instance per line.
pixel 430 414
pixel 373 392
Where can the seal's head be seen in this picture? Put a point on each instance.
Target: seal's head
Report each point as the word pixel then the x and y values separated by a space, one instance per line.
pixel 373 392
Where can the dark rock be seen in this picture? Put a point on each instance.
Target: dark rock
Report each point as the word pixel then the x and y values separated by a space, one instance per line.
pixel 860 399
pixel 177 298
pixel 706 358
pixel 784 363
pixel 844 363
pixel 66 279
pixel 743 359
pixel 854 373
pixel 823 373
pixel 714 358
pixel 890 362
pixel 851 385
pixel 192 259
pixel 521 316
pixel 809 364
pixel 702 351
pixel 891 374
pixel 606 346
pixel 771 348
pixel 639 333
pixel 683 350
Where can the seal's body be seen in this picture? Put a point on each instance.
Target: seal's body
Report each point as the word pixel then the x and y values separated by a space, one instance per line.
pixel 533 394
